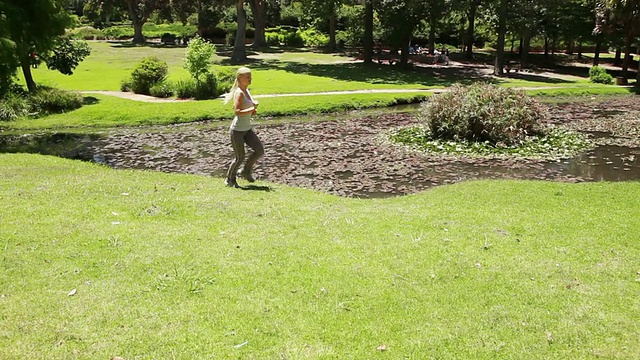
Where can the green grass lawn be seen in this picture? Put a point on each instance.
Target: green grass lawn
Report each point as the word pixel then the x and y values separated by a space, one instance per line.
pixel 99 263
pixel 288 72
pixel 274 72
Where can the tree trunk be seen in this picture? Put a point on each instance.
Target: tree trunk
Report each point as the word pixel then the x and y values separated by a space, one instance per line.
pixel 259 10
pixel 368 32
pixel 616 60
pixel 25 63
pixel 332 31
pixel 201 27
pixel 432 33
pixel 498 68
pixel 627 55
pixel 524 52
pixel 471 29
pixel 570 48
pixel 546 46
pixel 520 46
pixel 138 38
pixel 404 54
pixel 596 56
pixel 137 21
pixel 239 49
pixel 579 49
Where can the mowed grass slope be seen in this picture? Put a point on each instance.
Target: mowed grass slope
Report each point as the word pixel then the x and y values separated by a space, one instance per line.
pixel 99 263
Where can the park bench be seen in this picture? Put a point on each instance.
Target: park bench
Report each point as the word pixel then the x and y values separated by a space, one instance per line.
pixel 382 55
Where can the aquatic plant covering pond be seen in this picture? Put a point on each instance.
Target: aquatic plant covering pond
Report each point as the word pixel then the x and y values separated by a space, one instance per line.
pixel 350 155
pixel 556 144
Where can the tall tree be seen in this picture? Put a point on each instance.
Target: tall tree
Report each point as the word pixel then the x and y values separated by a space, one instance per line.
pixel 139 11
pixel 239 49
pixel 259 11
pixel 435 10
pixel 368 31
pixel 503 7
pixel 527 18
pixel 400 19
pixel 625 16
pixel 325 10
pixel 471 13
pixel 30 29
pixel 210 12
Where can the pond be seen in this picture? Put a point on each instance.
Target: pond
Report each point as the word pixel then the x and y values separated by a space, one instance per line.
pixel 345 154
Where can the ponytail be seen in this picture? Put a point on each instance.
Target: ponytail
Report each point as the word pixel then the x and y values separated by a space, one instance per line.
pixel 231 94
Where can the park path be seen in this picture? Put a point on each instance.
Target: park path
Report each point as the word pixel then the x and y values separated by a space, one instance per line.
pixel 147 98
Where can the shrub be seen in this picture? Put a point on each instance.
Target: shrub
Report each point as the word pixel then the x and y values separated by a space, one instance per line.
pixel 198 58
pixel 283 35
pixel 13 106
pixel 126 85
pixel 599 75
pixel 50 100
pixel 208 88
pixel 226 77
pixel 161 90
pixel 185 89
pixel 483 113
pixel 118 32
pixel 87 33
pixel 147 73
pixel 313 38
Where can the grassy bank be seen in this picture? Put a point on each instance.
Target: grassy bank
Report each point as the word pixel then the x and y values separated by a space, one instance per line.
pixel 150 265
pixel 109 111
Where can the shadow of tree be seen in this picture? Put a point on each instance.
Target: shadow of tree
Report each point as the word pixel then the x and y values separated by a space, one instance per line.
pixel 536 78
pixel 376 73
pixel 130 44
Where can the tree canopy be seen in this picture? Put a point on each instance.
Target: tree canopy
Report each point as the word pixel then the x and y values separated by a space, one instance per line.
pixel 33 31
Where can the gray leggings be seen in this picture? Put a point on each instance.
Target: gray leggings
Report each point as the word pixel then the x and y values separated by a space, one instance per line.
pixel 238 139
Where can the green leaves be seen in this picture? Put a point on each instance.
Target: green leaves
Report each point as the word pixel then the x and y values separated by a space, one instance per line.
pixel 148 72
pixel 67 54
pixel 198 58
pixel 554 144
pixel 599 74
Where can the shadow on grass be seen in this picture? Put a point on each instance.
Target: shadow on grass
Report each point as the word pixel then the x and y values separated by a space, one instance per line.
pixel 634 89
pixel 536 78
pixel 375 73
pixel 256 188
pixel 90 100
pixel 130 44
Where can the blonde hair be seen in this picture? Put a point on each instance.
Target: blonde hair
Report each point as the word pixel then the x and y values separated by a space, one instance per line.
pixel 241 71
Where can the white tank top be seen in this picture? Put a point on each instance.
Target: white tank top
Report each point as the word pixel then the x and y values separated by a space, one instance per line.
pixel 242 123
